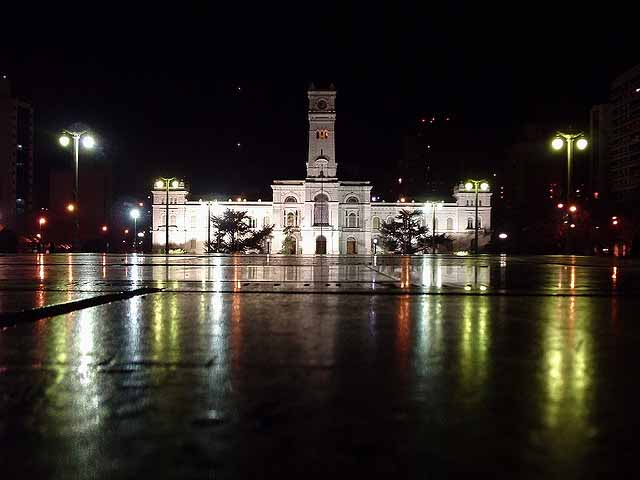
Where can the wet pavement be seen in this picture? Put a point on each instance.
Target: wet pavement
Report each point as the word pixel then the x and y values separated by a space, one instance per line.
pixel 262 367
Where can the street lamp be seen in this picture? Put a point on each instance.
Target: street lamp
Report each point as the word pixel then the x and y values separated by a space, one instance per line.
pixel 433 225
pixel 375 245
pixel 557 144
pixel 166 183
pixel 41 222
pixel 135 214
pixel 88 142
pixel 476 186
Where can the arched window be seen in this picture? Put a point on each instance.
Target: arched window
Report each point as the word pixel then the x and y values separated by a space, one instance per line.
pixel 194 221
pixel 479 222
pixel 449 223
pixel 290 199
pixel 172 220
pixel 291 219
pixel 321 210
pixel 266 221
pixel 469 222
pixel 163 220
pixel 376 223
pixel 389 219
pixel 352 220
pixel 353 200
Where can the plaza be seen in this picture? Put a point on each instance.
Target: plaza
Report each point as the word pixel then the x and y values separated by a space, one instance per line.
pixel 262 366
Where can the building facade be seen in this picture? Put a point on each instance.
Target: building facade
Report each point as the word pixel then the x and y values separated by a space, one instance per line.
pixel 614 166
pixel 326 214
pixel 16 159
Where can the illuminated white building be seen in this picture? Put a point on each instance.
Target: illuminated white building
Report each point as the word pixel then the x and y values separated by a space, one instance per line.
pixel 329 215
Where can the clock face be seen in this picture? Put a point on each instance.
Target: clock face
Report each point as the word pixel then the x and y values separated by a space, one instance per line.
pixel 322 104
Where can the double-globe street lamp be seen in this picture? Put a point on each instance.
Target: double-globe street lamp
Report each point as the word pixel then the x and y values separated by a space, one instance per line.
pixel 166 183
pixel 557 144
pixel 88 142
pixel 477 186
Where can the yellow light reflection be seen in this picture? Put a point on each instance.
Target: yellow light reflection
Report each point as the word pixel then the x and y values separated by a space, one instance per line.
pixel 475 342
pixel 568 350
pixel 572 277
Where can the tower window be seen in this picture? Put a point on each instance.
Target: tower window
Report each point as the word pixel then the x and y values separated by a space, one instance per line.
pixel 322 134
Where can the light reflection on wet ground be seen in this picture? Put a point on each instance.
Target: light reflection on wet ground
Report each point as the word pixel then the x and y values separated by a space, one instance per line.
pixel 196 382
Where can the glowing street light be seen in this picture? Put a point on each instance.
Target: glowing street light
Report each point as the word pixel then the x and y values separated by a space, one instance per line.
pixel 41 222
pixel 135 214
pixel 71 208
pixel 582 143
pixel 104 228
pixel 476 185
pixel 503 236
pixel 573 209
pixel 558 143
pixel 88 142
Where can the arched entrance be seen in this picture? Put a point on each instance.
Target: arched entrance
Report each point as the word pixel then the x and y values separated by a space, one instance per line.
pixel 321 245
pixel 351 246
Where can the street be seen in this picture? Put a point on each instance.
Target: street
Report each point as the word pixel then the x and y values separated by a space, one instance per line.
pixel 116 366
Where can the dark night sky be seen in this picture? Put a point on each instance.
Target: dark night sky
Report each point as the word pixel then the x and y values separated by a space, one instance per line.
pixel 159 86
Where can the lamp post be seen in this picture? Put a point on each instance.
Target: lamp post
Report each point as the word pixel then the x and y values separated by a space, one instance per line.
pixel 166 183
pixel 557 144
pixel 135 214
pixel 433 226
pixel 375 245
pixel 41 222
pixel 476 185
pixel 88 142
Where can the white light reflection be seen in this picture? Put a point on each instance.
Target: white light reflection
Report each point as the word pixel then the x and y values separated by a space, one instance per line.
pixel 85 344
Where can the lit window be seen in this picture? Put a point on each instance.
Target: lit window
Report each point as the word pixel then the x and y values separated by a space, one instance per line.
pixel 322 134
pixel 376 223
pixel 291 219
pixel 449 223
pixel 352 220
pixel 469 222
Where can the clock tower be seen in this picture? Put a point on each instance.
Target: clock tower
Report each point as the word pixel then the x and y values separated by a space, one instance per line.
pixel 322 119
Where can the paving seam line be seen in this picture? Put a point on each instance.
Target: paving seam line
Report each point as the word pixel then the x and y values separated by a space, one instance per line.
pixel 10 319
